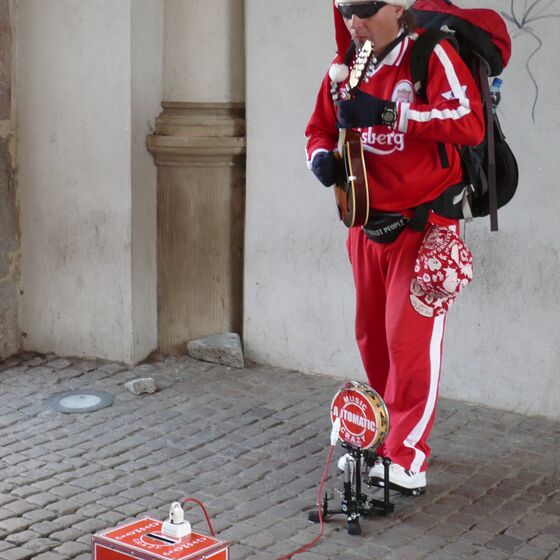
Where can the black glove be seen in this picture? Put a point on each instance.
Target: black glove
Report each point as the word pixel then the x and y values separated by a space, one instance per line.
pixel 360 111
pixel 325 168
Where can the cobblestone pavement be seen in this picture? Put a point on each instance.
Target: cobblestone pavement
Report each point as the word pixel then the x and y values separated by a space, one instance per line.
pixel 251 444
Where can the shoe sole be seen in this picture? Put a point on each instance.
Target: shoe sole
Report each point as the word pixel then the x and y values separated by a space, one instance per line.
pixel 380 483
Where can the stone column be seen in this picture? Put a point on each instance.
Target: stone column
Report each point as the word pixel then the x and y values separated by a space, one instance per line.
pixel 199 149
pixel 9 237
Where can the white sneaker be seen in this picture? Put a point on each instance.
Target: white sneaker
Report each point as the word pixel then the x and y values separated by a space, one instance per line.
pixel 398 477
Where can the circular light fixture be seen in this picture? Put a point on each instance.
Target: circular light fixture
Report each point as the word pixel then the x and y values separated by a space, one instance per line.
pixel 80 400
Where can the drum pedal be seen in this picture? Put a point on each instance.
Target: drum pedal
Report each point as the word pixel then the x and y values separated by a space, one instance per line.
pixel 364 425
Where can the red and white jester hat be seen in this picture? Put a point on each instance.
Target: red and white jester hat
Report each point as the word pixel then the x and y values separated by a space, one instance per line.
pixel 342 35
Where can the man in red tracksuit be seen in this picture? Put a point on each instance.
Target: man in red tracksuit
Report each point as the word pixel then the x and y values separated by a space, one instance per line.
pixel 403 137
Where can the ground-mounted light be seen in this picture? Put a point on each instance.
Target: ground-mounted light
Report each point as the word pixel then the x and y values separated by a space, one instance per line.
pixel 80 400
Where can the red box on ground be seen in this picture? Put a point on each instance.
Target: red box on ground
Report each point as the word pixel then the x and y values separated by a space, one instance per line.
pixel 144 540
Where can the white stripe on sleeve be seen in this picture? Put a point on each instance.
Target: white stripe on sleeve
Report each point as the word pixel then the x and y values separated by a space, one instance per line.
pixel 446 114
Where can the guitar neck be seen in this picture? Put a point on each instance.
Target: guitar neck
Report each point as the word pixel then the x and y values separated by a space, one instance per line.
pixel 341 140
pixel 356 76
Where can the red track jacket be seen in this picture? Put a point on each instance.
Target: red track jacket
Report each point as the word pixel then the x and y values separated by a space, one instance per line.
pixel 403 164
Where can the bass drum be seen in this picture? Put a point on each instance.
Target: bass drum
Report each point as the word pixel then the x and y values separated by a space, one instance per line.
pixel 364 418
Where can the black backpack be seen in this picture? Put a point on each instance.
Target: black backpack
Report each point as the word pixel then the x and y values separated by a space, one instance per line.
pixel 490 169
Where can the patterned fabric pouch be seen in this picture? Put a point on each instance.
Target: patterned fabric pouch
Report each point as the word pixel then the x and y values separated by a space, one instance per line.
pixel 444 266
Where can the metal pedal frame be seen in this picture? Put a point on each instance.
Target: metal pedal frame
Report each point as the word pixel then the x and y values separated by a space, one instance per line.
pixel 355 503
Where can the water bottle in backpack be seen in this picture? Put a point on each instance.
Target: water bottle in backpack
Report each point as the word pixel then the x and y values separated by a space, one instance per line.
pixel 495 93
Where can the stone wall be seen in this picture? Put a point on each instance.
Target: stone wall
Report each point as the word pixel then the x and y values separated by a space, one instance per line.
pixel 9 241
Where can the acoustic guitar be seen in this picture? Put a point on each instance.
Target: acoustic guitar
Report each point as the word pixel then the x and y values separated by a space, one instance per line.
pixel 351 190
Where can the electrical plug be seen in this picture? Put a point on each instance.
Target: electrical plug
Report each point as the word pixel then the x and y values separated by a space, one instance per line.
pixel 176 527
pixel 335 431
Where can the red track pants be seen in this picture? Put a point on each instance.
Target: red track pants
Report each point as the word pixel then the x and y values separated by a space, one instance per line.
pixel 400 349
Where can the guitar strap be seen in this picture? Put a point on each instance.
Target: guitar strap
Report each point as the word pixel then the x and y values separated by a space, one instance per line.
pixel 377 59
pixel 350 53
pixel 399 39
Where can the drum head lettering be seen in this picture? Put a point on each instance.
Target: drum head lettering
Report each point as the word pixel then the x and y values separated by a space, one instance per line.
pixel 364 421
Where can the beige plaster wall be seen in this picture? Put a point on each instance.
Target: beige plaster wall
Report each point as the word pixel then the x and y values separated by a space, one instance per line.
pixel 502 336
pixel 147 19
pixel 88 87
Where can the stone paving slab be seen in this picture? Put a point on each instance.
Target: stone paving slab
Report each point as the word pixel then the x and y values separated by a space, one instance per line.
pixel 251 444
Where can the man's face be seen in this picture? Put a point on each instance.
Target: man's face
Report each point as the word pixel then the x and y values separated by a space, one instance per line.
pixel 380 28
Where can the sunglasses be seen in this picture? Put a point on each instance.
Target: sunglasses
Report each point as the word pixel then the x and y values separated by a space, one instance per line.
pixel 361 11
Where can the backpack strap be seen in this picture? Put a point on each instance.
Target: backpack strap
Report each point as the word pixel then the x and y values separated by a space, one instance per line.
pixel 483 72
pixel 420 58
pixel 419 66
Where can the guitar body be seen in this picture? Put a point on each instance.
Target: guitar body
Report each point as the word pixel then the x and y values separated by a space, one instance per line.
pixel 351 191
